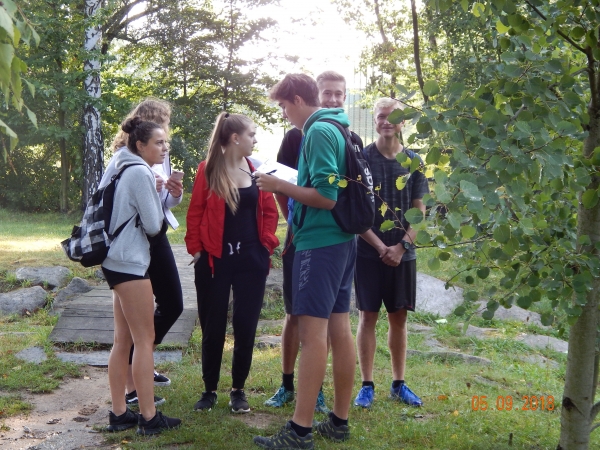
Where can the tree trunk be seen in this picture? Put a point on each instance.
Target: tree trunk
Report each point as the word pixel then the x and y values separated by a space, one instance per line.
pixel 578 397
pixel 93 144
pixel 64 161
pixel 417 52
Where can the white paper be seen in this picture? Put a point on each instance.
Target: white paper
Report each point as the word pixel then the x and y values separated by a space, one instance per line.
pixel 279 170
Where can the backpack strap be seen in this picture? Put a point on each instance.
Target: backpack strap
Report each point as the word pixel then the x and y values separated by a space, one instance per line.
pixel 349 141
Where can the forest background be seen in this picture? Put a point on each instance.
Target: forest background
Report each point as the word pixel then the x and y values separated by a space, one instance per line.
pixel 504 97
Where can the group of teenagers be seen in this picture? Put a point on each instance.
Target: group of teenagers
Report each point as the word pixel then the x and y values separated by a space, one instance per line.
pixel 231 224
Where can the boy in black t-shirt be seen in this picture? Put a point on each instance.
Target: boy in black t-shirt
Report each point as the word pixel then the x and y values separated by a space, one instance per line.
pixel 386 269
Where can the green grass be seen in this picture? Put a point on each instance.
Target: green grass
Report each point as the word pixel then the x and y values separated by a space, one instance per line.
pixel 447 421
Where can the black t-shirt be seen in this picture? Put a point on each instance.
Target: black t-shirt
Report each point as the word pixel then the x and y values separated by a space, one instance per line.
pixel 241 228
pixel 385 173
pixel 290 147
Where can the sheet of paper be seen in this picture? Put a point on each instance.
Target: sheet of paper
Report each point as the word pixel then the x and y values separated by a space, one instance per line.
pixel 279 170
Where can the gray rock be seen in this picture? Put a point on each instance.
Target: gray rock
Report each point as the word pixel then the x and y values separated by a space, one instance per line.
pixel 99 274
pixel 418 328
pixel 53 276
pixel 432 296
pixel 481 333
pixel 543 342
pixel 100 358
pixel 33 355
pixel 21 300
pixel 76 286
pixel 451 356
pixel 275 279
pixel 514 313
pixel 267 341
pixel 539 360
pixel 434 344
pixel 270 323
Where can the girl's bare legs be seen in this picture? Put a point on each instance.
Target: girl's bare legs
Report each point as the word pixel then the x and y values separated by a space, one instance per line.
pixel 133 304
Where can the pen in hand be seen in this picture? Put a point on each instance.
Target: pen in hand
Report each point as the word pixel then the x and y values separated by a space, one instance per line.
pixel 272 171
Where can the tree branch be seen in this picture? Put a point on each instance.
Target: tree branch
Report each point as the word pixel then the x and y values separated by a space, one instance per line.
pixel 416 50
pixel 520 110
pixel 560 33
pixel 594 412
pixel 379 22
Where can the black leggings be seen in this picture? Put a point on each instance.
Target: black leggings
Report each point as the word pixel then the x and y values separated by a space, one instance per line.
pixel 245 273
pixel 166 287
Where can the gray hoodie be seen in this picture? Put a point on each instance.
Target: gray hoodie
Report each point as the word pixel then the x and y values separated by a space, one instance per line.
pixel 135 194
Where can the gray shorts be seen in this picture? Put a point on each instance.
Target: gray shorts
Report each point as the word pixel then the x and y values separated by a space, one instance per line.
pixel 322 280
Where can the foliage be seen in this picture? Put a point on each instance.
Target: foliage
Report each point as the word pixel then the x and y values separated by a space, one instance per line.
pixel 14 28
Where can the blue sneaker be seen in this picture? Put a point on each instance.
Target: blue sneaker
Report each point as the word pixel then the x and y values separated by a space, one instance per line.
pixel 320 405
pixel 365 397
pixel 405 395
pixel 281 397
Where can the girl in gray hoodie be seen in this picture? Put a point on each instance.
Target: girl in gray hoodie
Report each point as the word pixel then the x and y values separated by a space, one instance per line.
pixel 136 204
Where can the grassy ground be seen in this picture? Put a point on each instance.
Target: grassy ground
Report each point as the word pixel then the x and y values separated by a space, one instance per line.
pixel 447 421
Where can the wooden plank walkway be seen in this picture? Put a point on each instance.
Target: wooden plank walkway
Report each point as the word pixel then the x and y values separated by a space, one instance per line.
pixel 88 318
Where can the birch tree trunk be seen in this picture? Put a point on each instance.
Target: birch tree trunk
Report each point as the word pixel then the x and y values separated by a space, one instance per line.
pixel 93 143
pixel 578 410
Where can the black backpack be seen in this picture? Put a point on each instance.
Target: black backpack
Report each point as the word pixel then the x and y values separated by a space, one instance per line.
pixel 90 241
pixel 354 211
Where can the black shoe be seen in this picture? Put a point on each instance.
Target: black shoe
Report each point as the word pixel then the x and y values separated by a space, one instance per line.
pixel 206 402
pixel 127 420
pixel 161 380
pixel 157 424
pixel 238 402
pixel 132 400
pixel 327 429
pixel 286 439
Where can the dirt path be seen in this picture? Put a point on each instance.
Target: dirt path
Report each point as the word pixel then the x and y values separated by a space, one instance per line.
pixel 63 419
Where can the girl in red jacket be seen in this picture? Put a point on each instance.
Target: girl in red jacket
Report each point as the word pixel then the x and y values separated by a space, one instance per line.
pixel 231 234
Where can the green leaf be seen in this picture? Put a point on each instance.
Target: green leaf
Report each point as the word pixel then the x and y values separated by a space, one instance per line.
pixel 444 256
pixel 36 37
pixel 387 225
pixel 501 27
pixel 7 130
pixel 547 319
pixel 396 116
pixel 470 190
pixel 502 234
pixel 460 311
pixel 433 156
pixel 423 237
pixel 483 272
pixel 589 198
pixel 415 164
pixel 478 9
pixel 487 314
pixel 331 179
pixel 401 181
pixel 431 88
pixel 414 215
pixel 6 23
pixel 343 183
pixel 471 296
pixel 32 117
pixel 468 231
pixel 465 5
pixel 434 263
pixel 577 33
pixel 469 279
pixel 524 302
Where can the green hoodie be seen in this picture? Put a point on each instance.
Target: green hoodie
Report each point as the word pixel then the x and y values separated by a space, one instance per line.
pixel 322 154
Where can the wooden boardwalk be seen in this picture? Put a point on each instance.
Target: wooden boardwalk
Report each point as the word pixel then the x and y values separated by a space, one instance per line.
pixel 88 318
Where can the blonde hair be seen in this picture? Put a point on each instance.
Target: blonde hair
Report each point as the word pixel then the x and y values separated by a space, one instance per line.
pixel 330 75
pixel 150 109
pixel 217 178
pixel 387 102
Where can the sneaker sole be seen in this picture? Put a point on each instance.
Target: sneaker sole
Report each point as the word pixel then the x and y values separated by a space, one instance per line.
pixel 137 405
pixel 363 406
pixel 153 431
pixel 205 409
pixel 239 411
pixel 115 428
pixel 162 383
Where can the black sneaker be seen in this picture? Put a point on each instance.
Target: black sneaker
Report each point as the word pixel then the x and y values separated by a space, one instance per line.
pixel 286 439
pixel 127 420
pixel 206 402
pixel 238 402
pixel 327 429
pixel 161 380
pixel 132 400
pixel 157 424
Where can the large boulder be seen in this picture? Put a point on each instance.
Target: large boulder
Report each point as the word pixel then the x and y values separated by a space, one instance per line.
pixel 76 286
pixel 21 300
pixel 434 298
pixel 52 276
pixel 514 313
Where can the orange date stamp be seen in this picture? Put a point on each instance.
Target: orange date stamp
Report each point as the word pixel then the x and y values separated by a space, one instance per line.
pixel 506 403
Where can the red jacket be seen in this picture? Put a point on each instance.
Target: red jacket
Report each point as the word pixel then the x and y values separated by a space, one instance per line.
pixel 206 219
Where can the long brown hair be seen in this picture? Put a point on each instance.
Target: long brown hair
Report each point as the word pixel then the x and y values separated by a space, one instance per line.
pixel 150 109
pixel 217 178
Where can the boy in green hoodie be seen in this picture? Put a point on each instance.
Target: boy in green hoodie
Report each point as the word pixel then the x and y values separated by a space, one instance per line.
pixel 323 265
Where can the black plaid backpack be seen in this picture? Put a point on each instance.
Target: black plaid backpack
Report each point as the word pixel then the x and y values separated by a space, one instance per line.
pixel 90 241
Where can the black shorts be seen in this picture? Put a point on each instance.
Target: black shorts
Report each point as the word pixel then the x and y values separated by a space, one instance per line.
pixel 113 278
pixel 375 283
pixel 287 259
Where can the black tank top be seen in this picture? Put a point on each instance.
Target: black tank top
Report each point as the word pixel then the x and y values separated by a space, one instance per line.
pixel 241 230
